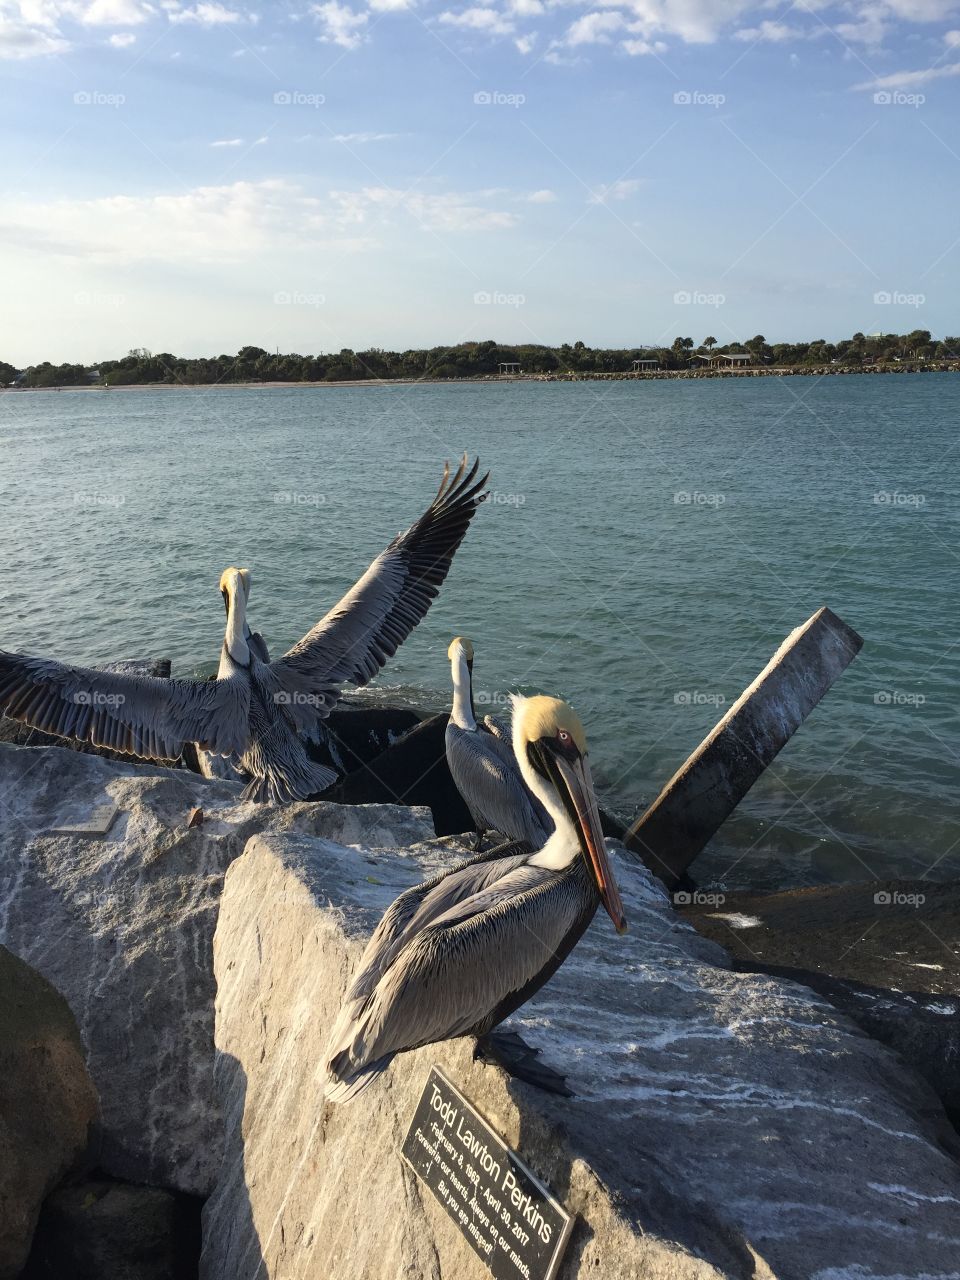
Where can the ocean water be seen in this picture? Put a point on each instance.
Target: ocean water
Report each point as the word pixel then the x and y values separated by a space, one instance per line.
pixel 647 547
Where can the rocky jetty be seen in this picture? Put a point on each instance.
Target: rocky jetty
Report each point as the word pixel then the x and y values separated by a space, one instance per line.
pixel 122 925
pixel 885 953
pixel 723 1123
pixel 48 1105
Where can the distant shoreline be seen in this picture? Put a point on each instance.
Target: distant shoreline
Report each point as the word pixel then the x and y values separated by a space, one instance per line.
pixel 758 371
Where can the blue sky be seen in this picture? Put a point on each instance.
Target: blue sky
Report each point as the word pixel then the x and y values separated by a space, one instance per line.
pixel 193 177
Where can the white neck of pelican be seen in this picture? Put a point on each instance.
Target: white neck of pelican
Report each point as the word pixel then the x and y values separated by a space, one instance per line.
pixel 235 636
pixel 462 713
pixel 563 846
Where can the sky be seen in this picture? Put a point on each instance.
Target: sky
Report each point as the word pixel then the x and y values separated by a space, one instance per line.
pixel 401 173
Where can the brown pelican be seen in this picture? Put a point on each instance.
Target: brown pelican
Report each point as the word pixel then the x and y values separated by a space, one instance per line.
pixel 484 767
pixel 456 955
pixel 255 708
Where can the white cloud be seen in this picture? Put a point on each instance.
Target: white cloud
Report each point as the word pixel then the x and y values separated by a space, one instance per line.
pixel 906 79
pixel 489 21
pixel 525 43
pixel 20 40
pixel 922 10
pixel 594 28
pixel 390 6
pixel 769 32
pixel 545 196
pixel 447 211
pixel 619 190
pixel 340 24
pixel 526 8
pixel 359 138
pixel 227 142
pixel 209 15
pixel 122 39
pixel 112 13
pixel 636 48
pixel 952 39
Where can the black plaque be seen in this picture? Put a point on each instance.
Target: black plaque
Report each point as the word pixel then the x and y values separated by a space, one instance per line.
pixel 506 1213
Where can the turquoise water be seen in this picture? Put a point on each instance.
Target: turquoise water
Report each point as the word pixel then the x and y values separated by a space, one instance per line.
pixel 590 574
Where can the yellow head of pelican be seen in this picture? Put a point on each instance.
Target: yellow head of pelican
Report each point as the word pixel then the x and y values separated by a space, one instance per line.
pixel 549 738
pixel 233 580
pixel 461 645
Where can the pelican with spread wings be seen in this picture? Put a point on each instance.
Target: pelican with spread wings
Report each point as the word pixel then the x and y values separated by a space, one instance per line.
pixel 255 709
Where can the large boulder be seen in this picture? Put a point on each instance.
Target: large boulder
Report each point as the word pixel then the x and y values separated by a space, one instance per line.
pixel 122 924
pixel 48 1105
pixel 886 953
pixel 723 1124
pixel 99 1230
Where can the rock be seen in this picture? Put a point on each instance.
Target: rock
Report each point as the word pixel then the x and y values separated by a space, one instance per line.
pixel 351 737
pixel 23 736
pixel 724 1124
pixel 710 784
pixel 887 954
pixel 48 1105
pixel 98 1230
pixel 123 927
pixel 411 771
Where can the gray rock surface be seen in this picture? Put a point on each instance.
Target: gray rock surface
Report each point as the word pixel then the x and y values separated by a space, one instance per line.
pixel 48 1105
pixel 724 1124
pixel 98 1230
pixel 123 927
pixel 886 953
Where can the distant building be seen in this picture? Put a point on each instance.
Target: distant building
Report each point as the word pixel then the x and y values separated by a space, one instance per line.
pixel 509 367
pixel 646 363
pixel 721 360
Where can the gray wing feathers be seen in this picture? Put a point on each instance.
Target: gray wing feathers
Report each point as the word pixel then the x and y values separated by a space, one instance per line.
pixel 454 974
pixel 486 773
pixel 140 715
pixel 361 632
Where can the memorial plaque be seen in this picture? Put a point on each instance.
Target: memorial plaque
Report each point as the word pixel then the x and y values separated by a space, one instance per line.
pixel 505 1212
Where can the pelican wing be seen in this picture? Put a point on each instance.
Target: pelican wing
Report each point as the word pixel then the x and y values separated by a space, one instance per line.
pixel 139 715
pixel 465 971
pixel 487 776
pixel 354 640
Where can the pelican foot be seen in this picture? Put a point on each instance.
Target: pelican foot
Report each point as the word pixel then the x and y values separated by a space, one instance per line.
pixel 509 1050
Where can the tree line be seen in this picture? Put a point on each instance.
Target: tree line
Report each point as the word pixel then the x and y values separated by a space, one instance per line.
pixel 470 360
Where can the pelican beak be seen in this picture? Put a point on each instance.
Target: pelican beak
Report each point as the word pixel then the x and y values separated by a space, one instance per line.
pixel 577 781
